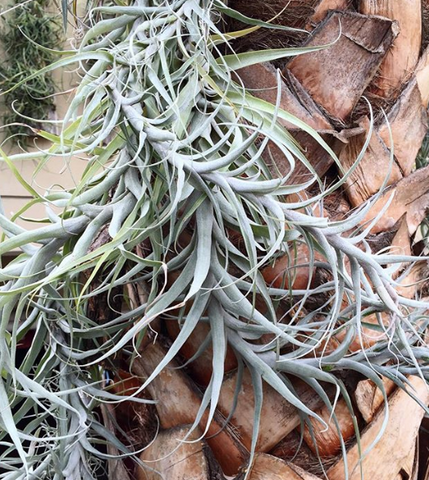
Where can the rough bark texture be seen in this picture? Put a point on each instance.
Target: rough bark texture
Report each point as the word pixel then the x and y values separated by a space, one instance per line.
pixel 401 60
pixel 326 442
pixel 292 270
pixel 387 458
pixel 413 279
pixel 168 458
pixel 293 449
pixel 178 403
pixel 409 197
pixel 323 8
pixel 294 13
pixel 401 244
pixel 337 76
pixel 422 76
pixel 407 115
pixel 267 467
pixel 263 81
pixel 371 172
pixel 278 417
pixel 369 398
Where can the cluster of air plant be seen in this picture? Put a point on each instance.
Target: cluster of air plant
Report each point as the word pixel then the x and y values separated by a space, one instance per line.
pixel 174 143
pixel 29 34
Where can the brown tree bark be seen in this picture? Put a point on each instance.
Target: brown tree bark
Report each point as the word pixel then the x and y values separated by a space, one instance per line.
pixel 337 76
pixel 326 442
pixel 388 456
pixel 178 402
pixel 278 417
pixel 168 458
pixel 400 62
pixel 369 398
pixel 267 467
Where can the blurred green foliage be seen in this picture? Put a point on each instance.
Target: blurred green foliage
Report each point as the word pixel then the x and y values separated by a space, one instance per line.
pixel 28 33
pixel 422 160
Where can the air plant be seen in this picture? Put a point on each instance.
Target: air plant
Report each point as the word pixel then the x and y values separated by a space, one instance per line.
pixel 174 146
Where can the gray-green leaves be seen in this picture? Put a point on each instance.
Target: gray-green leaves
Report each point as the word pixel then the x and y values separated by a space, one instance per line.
pixel 178 205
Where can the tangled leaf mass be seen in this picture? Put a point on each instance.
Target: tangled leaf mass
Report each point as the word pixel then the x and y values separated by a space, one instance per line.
pixel 174 144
